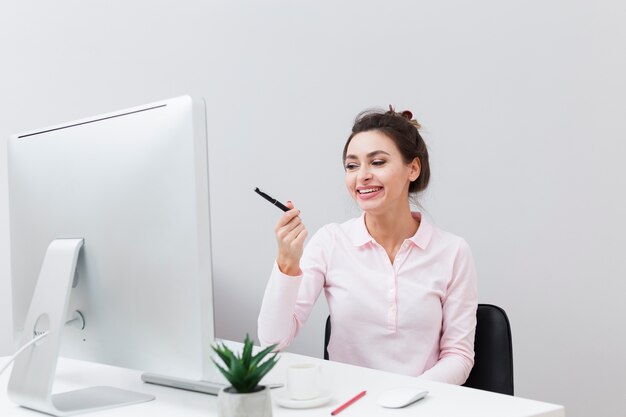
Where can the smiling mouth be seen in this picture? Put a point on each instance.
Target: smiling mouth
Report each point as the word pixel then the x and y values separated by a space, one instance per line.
pixel 369 190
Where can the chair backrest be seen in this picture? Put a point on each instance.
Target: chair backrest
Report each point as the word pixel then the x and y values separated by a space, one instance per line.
pixel 493 350
pixel 326 338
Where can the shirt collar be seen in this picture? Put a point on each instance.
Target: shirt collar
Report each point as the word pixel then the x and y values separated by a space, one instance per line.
pixel 424 233
pixel 421 238
pixel 360 235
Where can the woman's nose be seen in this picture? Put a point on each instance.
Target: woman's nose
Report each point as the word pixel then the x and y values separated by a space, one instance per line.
pixel 364 174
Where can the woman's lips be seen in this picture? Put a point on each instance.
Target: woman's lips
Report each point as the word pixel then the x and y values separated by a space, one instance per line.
pixel 367 193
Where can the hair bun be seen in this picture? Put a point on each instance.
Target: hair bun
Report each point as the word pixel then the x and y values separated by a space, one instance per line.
pixel 406 114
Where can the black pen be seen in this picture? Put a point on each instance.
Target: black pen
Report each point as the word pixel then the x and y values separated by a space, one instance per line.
pixel 271 200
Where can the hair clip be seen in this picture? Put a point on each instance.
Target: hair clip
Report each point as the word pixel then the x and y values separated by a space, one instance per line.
pixel 407 114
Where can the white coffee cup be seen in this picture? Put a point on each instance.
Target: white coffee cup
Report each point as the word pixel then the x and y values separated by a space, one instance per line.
pixel 303 381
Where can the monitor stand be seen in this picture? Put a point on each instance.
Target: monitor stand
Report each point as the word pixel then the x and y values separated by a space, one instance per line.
pixel 211 382
pixel 33 373
pixel 207 386
pixel 203 386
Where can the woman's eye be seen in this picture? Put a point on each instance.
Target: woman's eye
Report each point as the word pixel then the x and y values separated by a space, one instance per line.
pixel 351 166
pixel 378 162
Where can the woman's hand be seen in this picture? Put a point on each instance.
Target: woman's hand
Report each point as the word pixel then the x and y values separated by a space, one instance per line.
pixel 290 235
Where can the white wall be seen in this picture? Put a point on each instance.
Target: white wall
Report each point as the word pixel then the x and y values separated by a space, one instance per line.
pixel 523 108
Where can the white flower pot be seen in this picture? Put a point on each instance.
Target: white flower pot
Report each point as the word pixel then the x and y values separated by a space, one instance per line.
pixel 230 403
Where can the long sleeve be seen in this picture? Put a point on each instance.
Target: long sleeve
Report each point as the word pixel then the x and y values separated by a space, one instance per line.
pixel 456 357
pixel 288 300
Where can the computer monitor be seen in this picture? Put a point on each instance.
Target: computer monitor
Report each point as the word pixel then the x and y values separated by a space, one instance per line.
pixel 131 188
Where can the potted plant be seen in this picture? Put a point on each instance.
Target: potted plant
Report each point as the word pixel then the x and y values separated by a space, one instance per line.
pixel 245 397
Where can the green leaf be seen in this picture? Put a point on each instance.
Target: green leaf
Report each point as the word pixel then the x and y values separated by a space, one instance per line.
pixel 244 371
pixel 225 354
pixel 224 372
pixel 222 356
pixel 247 351
pixel 259 356
pixel 265 367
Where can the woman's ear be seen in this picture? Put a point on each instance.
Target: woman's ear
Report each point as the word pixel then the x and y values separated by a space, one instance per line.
pixel 416 169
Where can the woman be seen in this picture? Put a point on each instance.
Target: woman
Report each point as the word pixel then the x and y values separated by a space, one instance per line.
pixel 401 292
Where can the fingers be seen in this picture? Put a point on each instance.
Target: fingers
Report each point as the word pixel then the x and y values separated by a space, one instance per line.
pixel 301 237
pixel 292 234
pixel 290 231
pixel 288 217
pixel 289 223
pixel 290 249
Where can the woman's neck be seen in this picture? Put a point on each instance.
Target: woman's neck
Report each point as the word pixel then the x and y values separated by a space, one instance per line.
pixel 392 227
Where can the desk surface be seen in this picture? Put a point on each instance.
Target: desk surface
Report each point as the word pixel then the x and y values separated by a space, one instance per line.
pixel 343 380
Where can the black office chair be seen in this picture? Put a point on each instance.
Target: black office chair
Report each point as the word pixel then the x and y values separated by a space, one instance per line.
pixel 493 350
pixel 326 338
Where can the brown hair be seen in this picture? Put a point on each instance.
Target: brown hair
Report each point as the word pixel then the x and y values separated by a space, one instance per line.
pixel 404 131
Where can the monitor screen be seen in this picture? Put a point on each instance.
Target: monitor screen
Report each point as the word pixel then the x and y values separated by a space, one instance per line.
pixel 134 185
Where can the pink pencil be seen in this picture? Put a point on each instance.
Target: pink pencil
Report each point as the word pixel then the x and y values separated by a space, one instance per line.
pixel 348 403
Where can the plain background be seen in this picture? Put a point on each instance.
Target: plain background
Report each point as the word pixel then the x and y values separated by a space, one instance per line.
pixel 522 104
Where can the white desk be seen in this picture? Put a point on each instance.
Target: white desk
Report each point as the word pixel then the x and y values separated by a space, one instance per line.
pixel 344 380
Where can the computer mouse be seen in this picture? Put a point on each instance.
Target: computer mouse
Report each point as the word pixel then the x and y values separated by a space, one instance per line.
pixel 401 397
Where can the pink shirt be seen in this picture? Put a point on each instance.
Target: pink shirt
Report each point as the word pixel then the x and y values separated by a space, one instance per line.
pixel 416 316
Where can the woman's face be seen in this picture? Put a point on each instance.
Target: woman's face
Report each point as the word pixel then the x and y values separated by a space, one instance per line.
pixel 376 175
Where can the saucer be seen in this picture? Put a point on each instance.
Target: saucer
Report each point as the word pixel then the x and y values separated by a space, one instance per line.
pixel 281 397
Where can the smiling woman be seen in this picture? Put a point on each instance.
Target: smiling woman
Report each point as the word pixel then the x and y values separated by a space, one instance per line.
pixel 401 292
pixel 403 130
pixel 377 176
